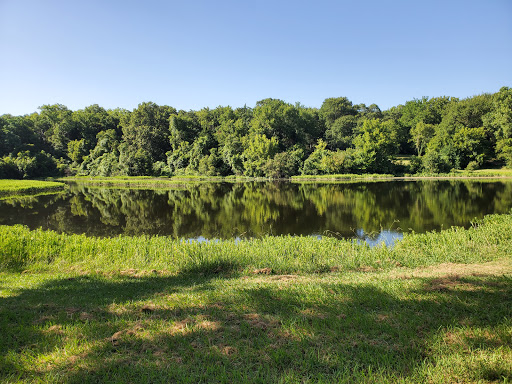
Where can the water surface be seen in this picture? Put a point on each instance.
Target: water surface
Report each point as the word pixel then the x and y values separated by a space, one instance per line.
pixel 374 211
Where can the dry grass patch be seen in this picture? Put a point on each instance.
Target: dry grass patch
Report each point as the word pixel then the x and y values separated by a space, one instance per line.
pixel 208 325
pixel 492 268
pixel 313 312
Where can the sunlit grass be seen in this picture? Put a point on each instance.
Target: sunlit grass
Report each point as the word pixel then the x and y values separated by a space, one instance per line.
pixel 345 176
pixel 434 308
pixel 157 181
pixel 166 181
pixel 12 187
pixel 440 325
pixel 487 173
pixel 488 239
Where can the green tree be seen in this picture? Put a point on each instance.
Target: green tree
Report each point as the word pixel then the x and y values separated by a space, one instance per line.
pixel 374 146
pixel 335 107
pixel 499 121
pixel 313 165
pixel 341 132
pixel 103 160
pixel 90 121
pixel 258 149
pixel 285 164
pixel 59 128
pixel 145 138
pixel 275 118
pixel 421 134
pixel 17 134
pixel 76 150
pixel 464 120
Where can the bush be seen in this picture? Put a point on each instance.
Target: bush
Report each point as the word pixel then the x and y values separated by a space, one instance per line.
pixel 161 169
pixel 284 164
pixel 472 165
pixel 416 164
pixel 8 169
pixel 435 162
pixel 340 162
pixel 27 165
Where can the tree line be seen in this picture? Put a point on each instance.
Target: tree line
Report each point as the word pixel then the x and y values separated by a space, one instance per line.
pixel 274 139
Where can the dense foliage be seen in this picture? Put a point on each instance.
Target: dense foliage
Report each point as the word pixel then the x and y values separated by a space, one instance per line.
pixel 273 139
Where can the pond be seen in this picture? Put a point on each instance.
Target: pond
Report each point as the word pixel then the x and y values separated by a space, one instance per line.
pixel 372 211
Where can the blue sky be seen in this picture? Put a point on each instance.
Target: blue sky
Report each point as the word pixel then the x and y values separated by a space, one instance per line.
pixel 195 54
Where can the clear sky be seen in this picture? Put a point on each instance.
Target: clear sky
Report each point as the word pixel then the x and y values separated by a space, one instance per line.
pixel 194 54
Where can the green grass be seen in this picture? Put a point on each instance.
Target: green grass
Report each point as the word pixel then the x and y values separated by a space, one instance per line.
pixel 404 326
pixel 492 173
pixel 480 173
pixel 437 308
pixel 487 240
pixel 145 181
pixel 345 176
pixel 156 181
pixel 14 187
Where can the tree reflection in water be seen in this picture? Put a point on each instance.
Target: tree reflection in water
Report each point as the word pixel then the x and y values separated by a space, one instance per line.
pixel 374 210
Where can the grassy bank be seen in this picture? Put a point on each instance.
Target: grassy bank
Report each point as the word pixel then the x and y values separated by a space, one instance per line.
pixel 492 173
pixel 480 173
pixel 437 308
pixel 345 176
pixel 22 249
pixel 149 181
pixel 17 187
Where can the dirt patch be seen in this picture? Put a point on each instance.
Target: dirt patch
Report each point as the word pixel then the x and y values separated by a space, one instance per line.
pixel 72 311
pixel 313 312
pixel 216 306
pixel 74 359
pixel 443 284
pixel 128 272
pixel 209 325
pixel 451 338
pixel 182 326
pixel 116 337
pixel 227 350
pixel 383 318
pixel 262 271
pixel 55 330
pixel 257 321
pixel 461 283
pixel 147 309
pixel 84 316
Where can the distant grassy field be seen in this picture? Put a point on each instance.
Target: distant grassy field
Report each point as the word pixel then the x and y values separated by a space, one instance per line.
pixel 480 173
pixel 437 308
pixel 345 176
pixel 493 173
pixel 156 181
pixel 13 187
pixel 140 181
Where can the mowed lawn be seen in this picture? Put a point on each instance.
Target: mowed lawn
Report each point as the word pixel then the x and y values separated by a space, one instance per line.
pixel 447 323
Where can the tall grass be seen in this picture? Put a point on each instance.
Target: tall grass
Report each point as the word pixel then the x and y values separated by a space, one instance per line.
pixel 20 248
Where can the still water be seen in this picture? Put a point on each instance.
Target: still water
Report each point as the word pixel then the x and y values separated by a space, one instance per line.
pixel 371 211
